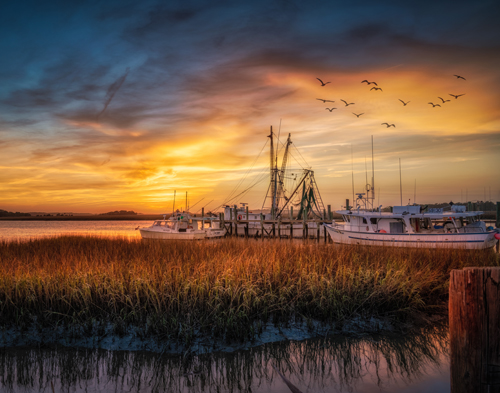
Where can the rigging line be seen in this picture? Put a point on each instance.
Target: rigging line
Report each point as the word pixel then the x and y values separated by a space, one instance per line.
pixel 307 164
pixel 243 192
pixel 263 176
pixel 246 174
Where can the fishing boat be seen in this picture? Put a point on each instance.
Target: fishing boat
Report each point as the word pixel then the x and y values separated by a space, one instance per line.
pixel 408 226
pixel 292 201
pixel 183 226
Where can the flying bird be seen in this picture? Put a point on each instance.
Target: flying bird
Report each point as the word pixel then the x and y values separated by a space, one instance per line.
pixel 376 88
pixel 323 83
pixel 433 105
pixel 443 100
pixel 456 96
pixel 404 103
pixel 459 77
pixel 346 104
pixel 369 83
pixel 357 114
pixel 330 109
pixel 388 125
pixel 321 99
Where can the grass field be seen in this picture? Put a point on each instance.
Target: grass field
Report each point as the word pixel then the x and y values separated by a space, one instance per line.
pixel 219 288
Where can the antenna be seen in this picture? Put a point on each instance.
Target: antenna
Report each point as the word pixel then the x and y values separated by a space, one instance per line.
pixel 400 184
pixel 352 175
pixel 373 174
pixel 186 201
pixel 415 193
pixel 173 208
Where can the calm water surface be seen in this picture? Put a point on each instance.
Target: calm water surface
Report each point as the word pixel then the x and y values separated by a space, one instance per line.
pixel 340 364
pixel 415 363
pixel 24 230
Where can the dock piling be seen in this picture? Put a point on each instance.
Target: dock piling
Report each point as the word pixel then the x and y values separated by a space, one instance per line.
pixel 474 319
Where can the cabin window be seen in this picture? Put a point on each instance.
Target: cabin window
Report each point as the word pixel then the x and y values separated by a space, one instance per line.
pixel 364 221
pixel 347 218
pixel 396 227
pixel 373 220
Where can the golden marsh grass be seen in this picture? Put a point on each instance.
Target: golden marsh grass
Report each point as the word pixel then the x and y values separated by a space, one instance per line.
pixel 218 287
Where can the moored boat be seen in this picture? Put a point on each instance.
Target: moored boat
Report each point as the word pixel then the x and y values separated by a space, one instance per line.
pixel 182 226
pixel 407 226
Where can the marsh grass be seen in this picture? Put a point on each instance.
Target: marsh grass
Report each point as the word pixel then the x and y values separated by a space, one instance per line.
pixel 177 290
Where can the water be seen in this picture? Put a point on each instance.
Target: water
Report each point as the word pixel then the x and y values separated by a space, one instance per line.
pixel 414 363
pixel 25 230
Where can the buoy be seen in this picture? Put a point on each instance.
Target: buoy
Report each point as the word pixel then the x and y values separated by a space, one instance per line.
pixel 383 231
pixel 497 236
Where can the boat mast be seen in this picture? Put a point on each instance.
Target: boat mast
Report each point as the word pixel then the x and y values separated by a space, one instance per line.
pixel 273 172
pixel 281 173
pixel 373 176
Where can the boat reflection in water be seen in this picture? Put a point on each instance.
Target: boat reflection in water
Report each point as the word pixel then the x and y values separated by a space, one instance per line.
pixel 412 363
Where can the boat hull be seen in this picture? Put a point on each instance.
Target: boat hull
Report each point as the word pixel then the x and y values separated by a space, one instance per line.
pixel 160 235
pixel 469 241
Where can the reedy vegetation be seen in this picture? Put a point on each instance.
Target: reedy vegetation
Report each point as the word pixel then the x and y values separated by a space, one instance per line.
pixel 179 289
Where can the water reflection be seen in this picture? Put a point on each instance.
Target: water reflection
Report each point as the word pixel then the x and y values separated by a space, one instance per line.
pixel 417 362
pixel 26 230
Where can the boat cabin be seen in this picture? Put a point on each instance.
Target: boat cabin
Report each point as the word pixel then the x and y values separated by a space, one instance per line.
pixel 409 219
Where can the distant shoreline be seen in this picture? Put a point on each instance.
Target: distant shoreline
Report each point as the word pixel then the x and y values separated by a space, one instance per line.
pixel 104 217
pixel 488 215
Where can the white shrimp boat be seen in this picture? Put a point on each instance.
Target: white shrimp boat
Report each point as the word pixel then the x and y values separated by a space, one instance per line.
pixel 182 226
pixel 407 226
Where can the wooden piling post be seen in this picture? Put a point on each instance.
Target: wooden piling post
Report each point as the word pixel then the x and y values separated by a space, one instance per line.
pixel 329 212
pixel 318 224
pixel 497 222
pixel 474 319
pixel 279 227
pixel 261 226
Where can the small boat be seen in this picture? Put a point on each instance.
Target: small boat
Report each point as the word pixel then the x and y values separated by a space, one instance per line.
pixel 407 226
pixel 182 226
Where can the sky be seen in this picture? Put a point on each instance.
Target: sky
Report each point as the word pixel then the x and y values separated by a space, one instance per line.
pixel 110 105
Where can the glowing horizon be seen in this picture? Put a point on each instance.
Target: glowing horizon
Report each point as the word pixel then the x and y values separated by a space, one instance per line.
pixel 157 98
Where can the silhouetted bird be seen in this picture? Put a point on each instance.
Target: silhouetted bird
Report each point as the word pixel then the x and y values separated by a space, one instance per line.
pixel 369 83
pixel 323 83
pixel 433 105
pixel 321 99
pixel 388 125
pixel 330 109
pixel 346 104
pixel 404 103
pixel 456 96
pixel 459 77
pixel 357 114
pixel 443 100
pixel 376 88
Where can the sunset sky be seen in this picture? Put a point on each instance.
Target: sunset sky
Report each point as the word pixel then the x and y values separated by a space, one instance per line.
pixel 109 105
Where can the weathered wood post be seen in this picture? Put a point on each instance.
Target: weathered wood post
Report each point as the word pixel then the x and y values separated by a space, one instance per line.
pixel 279 227
pixel 291 222
pixel 329 212
pixel 318 225
pixel 497 222
pixel 248 221
pixel 261 226
pixel 474 318
pixel 236 219
pixel 303 227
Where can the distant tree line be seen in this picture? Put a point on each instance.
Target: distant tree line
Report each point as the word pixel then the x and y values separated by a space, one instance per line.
pixel 119 213
pixel 5 213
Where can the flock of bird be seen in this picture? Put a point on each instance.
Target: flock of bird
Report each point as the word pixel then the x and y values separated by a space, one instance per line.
pixel 376 88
